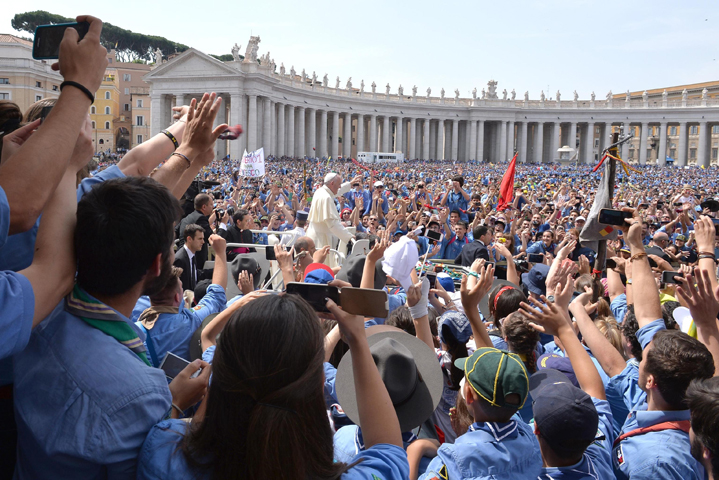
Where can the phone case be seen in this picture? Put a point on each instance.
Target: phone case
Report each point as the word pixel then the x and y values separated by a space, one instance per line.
pixel 365 301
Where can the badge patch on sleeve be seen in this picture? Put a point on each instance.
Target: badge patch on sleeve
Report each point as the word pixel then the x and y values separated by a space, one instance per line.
pixel 619 455
pixel 443 472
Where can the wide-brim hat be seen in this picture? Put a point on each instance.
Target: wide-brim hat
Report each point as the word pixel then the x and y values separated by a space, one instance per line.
pixel 255 263
pixel 536 278
pixel 352 272
pixel 410 371
pixel 484 302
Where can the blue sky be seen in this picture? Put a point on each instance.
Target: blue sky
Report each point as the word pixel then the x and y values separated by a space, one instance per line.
pixel 526 45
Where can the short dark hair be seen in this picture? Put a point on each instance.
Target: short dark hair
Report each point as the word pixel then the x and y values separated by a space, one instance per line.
pixel 675 360
pixel 239 215
pixel 629 329
pixel 480 231
pixel 463 224
pixel 191 230
pixel 457 212
pixel 169 289
pixel 703 400
pixel 201 200
pixel 458 178
pixel 122 225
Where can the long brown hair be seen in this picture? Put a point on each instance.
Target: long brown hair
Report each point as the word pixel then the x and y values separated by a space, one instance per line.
pixel 521 339
pixel 265 409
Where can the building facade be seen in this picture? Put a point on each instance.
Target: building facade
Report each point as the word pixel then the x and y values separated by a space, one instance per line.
pixel 140 101
pixel 104 111
pixel 291 114
pixel 24 80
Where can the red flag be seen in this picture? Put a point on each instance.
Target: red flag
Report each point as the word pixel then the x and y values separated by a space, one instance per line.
pixel 506 188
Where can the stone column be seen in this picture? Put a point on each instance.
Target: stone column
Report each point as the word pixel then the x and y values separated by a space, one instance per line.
pixel 301 132
pixel 503 141
pixel 273 128
pixel 556 141
pixel 523 143
pixel 539 142
pixel 510 139
pixel 386 134
pixel 335 134
pixel 155 112
pixel 412 138
pixel 573 135
pixel 425 139
pixel 682 153
pixel 252 124
pixel 360 132
pixel 180 99
pixel 373 133
pixel 347 136
pixel 589 146
pixel 643 143
pixel 455 140
pixel 662 153
pixel 220 145
pixel 235 116
pixel 702 150
pixel 312 138
pixel 480 140
pixel 472 155
pixel 267 127
pixel 440 140
pixel 281 133
pixel 290 149
pixel 323 152
pixel 399 136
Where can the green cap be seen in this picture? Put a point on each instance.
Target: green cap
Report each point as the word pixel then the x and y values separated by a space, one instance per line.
pixel 495 374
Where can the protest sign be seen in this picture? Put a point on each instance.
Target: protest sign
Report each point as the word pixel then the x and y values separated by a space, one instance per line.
pixel 253 163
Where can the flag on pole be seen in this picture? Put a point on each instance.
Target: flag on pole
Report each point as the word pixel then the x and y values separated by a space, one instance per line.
pixel 328 160
pixel 506 188
pixel 594 231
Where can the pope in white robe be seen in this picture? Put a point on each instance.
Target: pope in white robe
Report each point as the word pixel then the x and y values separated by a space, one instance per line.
pixel 324 219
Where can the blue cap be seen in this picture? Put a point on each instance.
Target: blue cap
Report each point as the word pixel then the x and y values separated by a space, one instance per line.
pixel 454 323
pixel 556 362
pixel 535 279
pixel 302 215
pixel 446 282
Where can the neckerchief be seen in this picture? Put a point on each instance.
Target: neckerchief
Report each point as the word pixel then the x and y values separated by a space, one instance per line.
pixel 105 319
pixel 149 316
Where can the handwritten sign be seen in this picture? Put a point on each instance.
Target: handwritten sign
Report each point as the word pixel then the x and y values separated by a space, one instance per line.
pixel 253 163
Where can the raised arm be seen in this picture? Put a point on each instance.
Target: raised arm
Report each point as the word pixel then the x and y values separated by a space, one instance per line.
pixel 646 295
pixel 703 303
pixel 219 274
pixel 472 292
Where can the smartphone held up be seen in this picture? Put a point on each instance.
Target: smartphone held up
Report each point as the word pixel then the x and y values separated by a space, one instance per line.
pixel 46 44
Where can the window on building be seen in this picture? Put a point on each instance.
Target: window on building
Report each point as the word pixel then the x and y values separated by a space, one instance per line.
pixel 126 77
pixel 4 81
pixel 107 125
pixel 38 98
pixel 596 143
pixel 101 142
pixel 715 129
pixel 693 130
pixel 93 125
pixel 715 153
pixel 127 91
pixel 107 110
pixel 597 130
pixel 139 120
pixel 4 96
pixel 55 88
pixel 127 107
pixel 672 130
pixel 139 103
pixel 93 110
pixel 38 84
pixel 139 139
pixel 631 153
pixel 693 153
pixel 673 153
pixel 107 95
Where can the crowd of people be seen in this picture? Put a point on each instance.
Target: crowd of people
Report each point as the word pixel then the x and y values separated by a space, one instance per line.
pixel 508 344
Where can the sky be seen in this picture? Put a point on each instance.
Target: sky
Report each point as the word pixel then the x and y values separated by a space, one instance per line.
pixel 530 46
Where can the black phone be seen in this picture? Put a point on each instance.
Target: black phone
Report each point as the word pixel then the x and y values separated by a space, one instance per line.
pixel 44 113
pixel 172 365
pixel 232 133
pixel 314 294
pixel 432 277
pixel 670 277
pixel 614 217
pixel 611 263
pixel 643 205
pixel 270 252
pixel 46 45
pixel 535 258
pixel 432 235
pixel 677 204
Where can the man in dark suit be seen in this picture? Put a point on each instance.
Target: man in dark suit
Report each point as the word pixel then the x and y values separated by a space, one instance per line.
pixel 478 248
pixel 186 256
pixel 203 209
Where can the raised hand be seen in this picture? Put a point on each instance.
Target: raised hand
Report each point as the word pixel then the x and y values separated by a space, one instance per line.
pixel 701 301
pixel 472 295
pixel 245 282
pixel 83 61
pixel 545 317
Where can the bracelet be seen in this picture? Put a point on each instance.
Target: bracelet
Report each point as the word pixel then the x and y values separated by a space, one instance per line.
pixel 172 138
pixel 183 156
pixel 179 410
pixel 637 256
pixel 703 256
pixel 82 88
pixel 706 253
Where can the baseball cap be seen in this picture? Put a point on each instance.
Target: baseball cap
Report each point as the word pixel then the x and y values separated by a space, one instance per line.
pixel 378 184
pixel 446 282
pixel 561 364
pixel 580 219
pixel 536 278
pixel 318 273
pixel 495 374
pixel 564 415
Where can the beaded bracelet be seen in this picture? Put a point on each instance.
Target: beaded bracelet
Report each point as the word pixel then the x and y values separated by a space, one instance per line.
pixel 189 163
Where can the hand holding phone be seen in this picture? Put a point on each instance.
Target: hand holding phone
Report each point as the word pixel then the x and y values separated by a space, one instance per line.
pixel 46 44
pixel 614 217
pixel 232 133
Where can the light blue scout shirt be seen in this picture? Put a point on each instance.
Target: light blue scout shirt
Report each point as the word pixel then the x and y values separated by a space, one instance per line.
pixel 172 332
pixel 655 455
pixel 619 307
pixel 84 402
pixel 624 394
pixel 596 464
pixel 161 459
pixel 494 451
pixel 452 247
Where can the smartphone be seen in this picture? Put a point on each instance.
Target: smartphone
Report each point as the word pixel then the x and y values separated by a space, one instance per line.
pixel 46 45
pixel 172 365
pixel 643 205
pixel 611 263
pixel 670 277
pixel 315 294
pixel 270 252
pixel 232 133
pixel 677 204
pixel 535 258
pixel 613 217
pixel 432 277
pixel 44 113
pixel 366 302
pixel 432 235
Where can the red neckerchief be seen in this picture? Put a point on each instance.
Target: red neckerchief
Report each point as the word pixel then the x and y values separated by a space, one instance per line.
pixel 454 237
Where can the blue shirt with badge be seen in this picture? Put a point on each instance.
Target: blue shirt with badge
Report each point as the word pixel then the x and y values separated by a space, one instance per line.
pixel 161 459
pixel 84 402
pixel 172 332
pixel 624 394
pixel 489 450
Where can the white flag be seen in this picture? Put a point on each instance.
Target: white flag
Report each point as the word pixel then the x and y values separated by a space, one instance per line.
pixel 253 163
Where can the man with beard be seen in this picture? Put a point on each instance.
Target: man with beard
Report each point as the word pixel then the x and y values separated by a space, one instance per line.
pixel 85 393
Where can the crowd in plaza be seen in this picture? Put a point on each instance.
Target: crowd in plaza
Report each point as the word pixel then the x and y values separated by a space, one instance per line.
pixel 515 343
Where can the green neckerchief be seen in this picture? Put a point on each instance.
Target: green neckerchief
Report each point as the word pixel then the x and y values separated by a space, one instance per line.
pixel 105 319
